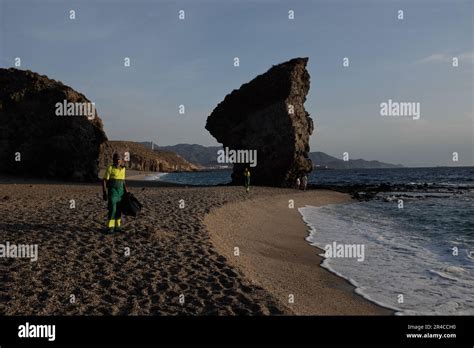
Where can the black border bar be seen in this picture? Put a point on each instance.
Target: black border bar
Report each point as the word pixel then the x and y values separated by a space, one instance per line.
pixel 298 330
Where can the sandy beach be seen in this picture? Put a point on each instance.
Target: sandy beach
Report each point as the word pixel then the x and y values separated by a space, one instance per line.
pixel 274 254
pixel 180 260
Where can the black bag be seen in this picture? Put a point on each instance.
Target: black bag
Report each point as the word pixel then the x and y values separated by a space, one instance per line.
pixel 130 205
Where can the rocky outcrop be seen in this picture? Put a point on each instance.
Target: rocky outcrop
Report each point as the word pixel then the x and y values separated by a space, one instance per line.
pixel 267 115
pixel 35 141
pixel 144 159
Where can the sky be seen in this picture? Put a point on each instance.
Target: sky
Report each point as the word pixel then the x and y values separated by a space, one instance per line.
pixel 190 62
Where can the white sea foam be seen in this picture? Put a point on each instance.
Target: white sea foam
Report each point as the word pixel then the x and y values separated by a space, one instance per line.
pixel 155 176
pixel 395 262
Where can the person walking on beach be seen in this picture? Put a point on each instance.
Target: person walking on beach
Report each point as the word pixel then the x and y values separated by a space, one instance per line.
pixel 113 189
pixel 247 179
pixel 304 182
pixel 297 185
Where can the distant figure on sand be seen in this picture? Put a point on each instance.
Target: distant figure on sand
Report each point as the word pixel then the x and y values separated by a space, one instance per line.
pixel 304 182
pixel 247 179
pixel 113 188
pixel 298 183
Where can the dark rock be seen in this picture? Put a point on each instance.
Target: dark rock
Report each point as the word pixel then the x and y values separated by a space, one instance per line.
pixel 58 147
pixel 267 115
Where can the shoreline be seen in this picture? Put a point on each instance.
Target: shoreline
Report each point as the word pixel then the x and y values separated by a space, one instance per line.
pixel 275 254
pixel 172 253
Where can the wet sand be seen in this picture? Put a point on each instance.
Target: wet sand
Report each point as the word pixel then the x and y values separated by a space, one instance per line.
pixel 275 255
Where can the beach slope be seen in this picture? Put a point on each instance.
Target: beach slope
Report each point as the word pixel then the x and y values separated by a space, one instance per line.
pixel 274 254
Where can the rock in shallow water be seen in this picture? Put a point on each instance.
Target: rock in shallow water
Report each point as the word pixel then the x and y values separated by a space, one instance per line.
pixel 267 115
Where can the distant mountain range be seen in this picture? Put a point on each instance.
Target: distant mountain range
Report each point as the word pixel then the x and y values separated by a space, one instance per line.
pixel 207 156
pixel 325 161
pixel 204 155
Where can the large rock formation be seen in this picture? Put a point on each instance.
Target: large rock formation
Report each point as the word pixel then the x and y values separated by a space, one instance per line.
pixel 34 141
pixel 144 159
pixel 267 115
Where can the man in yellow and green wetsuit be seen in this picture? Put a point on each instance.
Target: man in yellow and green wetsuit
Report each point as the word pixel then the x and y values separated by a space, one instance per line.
pixel 113 188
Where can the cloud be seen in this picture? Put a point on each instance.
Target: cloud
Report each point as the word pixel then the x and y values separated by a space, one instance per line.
pixel 447 58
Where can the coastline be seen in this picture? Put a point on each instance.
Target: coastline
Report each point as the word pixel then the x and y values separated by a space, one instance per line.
pixel 172 253
pixel 274 253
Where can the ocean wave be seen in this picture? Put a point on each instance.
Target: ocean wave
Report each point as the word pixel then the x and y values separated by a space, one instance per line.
pixel 155 176
pixel 412 263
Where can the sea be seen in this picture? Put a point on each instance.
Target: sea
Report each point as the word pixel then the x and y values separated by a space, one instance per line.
pixel 418 243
